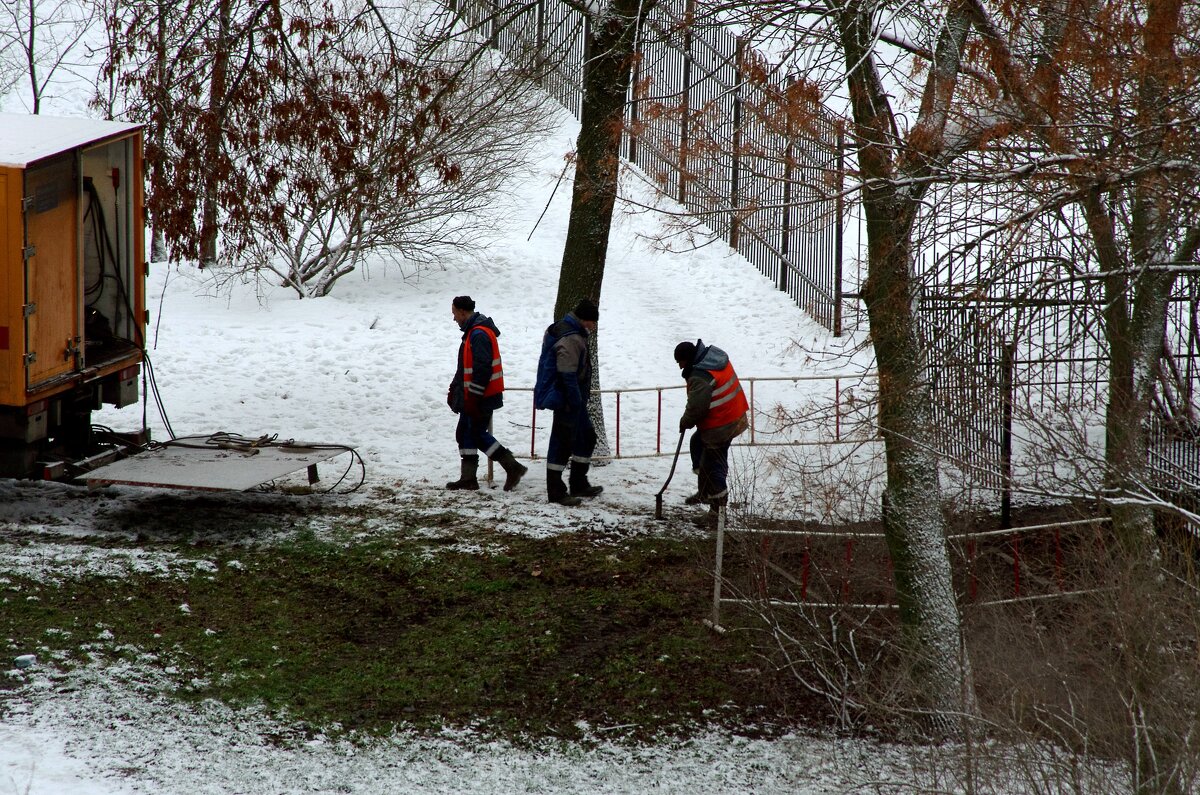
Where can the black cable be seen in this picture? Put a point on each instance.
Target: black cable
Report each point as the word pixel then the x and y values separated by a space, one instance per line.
pixel 158 401
pixel 122 291
pixel 228 440
pixel 98 287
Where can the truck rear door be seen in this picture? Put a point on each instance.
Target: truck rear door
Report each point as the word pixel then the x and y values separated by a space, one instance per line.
pixel 52 279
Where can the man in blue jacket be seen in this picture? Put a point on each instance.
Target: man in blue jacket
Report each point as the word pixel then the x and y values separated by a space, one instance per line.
pixel 476 391
pixel 572 435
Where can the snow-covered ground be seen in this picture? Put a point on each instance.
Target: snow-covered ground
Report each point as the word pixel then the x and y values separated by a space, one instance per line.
pixel 368 367
pixel 110 734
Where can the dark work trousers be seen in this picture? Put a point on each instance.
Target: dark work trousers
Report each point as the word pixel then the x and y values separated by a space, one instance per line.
pixel 473 435
pixel 711 465
pixel 572 438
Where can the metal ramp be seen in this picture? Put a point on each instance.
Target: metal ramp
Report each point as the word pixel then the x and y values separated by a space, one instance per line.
pixel 215 463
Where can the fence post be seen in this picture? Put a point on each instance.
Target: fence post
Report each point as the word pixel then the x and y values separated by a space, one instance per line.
pixel 785 231
pixel 585 60
pixel 632 149
pixel 618 423
pixel 752 417
pixel 805 566
pixel 837 236
pixel 1007 363
pixel 541 31
pixel 685 101
pixel 735 168
pixel 785 226
pixel 837 409
pixel 1058 560
pixel 720 557
pixel 658 430
pixel 846 571
pixel 764 550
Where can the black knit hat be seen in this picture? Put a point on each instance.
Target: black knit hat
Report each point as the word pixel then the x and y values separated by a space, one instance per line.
pixel 685 353
pixel 586 310
pixel 464 302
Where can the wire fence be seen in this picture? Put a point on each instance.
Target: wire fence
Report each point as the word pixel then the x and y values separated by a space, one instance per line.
pixel 781 564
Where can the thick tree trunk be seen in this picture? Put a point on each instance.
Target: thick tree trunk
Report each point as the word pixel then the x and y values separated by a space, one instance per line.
pixel 914 526
pixel 1136 305
pixel 607 73
pixel 606 77
pixel 1135 347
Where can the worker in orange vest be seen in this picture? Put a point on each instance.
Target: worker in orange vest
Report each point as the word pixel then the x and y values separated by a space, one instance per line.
pixel 476 391
pixel 716 408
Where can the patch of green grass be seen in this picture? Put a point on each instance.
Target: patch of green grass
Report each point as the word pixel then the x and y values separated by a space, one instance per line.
pixel 526 643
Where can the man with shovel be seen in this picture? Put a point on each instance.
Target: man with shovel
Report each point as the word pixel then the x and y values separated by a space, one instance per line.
pixel 716 408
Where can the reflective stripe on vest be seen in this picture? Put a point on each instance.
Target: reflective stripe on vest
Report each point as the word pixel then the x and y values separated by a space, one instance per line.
pixel 495 384
pixel 728 401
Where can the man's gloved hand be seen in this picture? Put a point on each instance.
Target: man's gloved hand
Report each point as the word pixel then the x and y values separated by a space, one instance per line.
pixel 682 425
pixel 450 397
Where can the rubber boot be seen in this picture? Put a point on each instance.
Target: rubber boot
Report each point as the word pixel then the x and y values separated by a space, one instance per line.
pixel 579 481
pixel 557 490
pixel 698 496
pixel 467 480
pixel 514 470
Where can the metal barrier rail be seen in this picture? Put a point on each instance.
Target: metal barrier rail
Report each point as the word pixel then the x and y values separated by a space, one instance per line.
pixel 839 436
pixel 850 537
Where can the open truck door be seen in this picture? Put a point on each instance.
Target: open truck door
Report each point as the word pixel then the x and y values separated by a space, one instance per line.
pixel 52 278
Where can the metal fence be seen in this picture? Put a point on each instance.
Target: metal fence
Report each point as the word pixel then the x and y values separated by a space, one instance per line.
pixel 1012 333
pixel 832 406
pixel 1014 326
pixel 758 165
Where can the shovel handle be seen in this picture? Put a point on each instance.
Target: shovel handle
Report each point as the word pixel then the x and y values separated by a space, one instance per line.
pixel 674 461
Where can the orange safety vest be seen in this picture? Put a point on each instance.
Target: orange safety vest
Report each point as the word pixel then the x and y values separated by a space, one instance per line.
pixel 495 384
pixel 728 401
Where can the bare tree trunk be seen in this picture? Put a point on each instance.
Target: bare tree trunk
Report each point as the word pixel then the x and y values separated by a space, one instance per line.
pixel 158 241
pixel 1138 288
pixel 1139 274
pixel 1135 321
pixel 213 133
pixel 607 73
pixel 914 526
pixel 31 52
